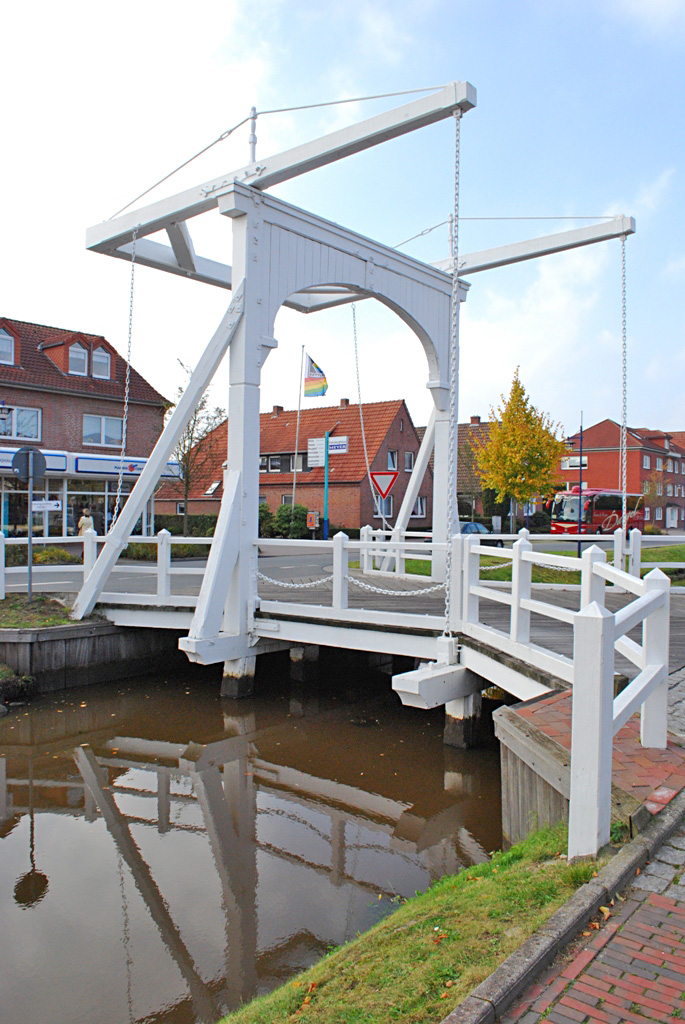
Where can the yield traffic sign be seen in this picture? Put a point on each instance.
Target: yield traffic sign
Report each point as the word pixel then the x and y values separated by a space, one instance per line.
pixel 383 482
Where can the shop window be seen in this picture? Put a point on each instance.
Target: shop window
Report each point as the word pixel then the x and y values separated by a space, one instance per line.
pixel 392 459
pixel 22 424
pixel 419 509
pixel 6 348
pixel 105 431
pixel 408 462
pixel 78 360
pixel 101 364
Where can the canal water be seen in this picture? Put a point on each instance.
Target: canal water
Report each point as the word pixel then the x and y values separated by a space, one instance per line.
pixel 166 854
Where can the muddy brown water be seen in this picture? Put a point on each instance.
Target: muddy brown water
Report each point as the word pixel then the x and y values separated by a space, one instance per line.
pixel 166 854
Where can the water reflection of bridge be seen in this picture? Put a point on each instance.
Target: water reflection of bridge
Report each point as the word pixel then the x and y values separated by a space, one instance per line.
pixel 272 826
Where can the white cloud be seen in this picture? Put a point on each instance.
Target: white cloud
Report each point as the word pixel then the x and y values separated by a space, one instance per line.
pixel 663 18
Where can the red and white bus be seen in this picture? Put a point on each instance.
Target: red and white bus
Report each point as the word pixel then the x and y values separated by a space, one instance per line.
pixel 601 511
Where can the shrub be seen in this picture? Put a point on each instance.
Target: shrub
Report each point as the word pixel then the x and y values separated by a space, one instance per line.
pixel 17 555
pixel 291 522
pixel 199 525
pixel 540 522
pixel 266 521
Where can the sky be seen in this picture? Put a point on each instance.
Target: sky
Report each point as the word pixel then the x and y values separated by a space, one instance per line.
pixel 579 114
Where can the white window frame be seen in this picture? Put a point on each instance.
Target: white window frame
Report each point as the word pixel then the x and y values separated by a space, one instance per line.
pixel 569 462
pixel 646 462
pixel 659 514
pixel 6 336
pixel 101 443
pixel 419 509
pixel 669 465
pixel 273 468
pixel 659 489
pixel 81 348
pixel 14 410
pixel 384 508
pixel 180 508
pixel 669 490
pixel 408 462
pixel 392 458
pixel 214 486
pixel 101 351
pixel 287 499
pixel 263 463
pixel 648 513
pixel 659 462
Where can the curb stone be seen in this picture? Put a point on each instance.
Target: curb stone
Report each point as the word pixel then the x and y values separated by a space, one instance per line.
pixel 493 996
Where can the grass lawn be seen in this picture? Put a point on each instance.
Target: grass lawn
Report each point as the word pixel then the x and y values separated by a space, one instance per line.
pixel 418 963
pixel 16 612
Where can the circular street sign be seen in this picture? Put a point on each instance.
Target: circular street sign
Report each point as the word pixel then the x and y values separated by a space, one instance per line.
pixel 20 463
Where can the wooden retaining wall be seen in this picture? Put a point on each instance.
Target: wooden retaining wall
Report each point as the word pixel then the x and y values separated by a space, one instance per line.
pixel 60 657
pixel 535 772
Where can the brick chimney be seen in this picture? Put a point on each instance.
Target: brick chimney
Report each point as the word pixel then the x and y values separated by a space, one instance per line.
pixel 278 409
pixel 475 420
pixel 344 402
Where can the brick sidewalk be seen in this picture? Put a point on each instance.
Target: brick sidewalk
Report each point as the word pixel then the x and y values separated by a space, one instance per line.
pixel 630 969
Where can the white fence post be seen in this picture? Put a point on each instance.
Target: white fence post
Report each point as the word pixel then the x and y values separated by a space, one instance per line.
pixel 340 570
pixel 619 550
pixel 521 579
pixel 592 731
pixel 592 586
pixel 365 560
pixel 163 563
pixel 635 553
pixel 456 583
pixel 399 553
pixel 471 563
pixel 654 712
pixel 90 552
pixel 3 588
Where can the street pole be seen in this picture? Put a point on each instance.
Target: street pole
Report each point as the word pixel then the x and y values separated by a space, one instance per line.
pixel 325 487
pixel 30 547
pixel 580 486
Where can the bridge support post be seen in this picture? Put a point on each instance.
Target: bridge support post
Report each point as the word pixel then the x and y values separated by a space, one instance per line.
pixel 304 663
pixel 462 718
pixel 238 677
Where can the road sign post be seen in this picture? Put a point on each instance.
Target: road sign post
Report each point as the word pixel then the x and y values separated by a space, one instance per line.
pixel 29 465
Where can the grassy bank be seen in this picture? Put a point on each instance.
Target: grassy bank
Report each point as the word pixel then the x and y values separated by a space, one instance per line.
pixel 17 612
pixel 417 964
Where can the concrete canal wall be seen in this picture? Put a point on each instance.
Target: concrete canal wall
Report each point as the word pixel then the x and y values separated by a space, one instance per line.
pixel 60 657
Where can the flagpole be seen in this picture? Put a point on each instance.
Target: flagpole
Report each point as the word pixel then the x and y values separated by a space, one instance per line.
pixel 297 441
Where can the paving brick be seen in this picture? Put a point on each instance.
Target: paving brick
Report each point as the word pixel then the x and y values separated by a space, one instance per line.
pixel 663 870
pixel 650 883
pixel 671 855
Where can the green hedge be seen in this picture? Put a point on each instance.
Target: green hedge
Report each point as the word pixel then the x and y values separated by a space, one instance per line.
pixel 198 525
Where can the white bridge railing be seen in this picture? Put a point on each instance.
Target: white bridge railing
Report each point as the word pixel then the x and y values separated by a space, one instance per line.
pixel 595 634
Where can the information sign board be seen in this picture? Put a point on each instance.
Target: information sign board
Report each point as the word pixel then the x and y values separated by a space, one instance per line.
pixel 46 506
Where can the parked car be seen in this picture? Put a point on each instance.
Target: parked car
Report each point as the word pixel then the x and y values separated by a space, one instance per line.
pixel 482 531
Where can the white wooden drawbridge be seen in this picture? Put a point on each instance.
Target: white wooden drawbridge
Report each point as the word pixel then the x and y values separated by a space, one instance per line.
pixel 282 255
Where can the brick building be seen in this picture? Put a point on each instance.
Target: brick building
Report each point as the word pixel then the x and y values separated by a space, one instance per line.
pixel 63 392
pixel 655 468
pixel 392 442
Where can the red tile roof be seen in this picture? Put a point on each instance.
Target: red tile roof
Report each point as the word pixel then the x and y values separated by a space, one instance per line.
pixel 607 434
pixel 277 436
pixel 38 347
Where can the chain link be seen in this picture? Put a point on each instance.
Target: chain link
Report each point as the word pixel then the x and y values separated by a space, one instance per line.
pixel 127 388
pixel 294 586
pixel 393 593
pixel 624 384
pixel 454 364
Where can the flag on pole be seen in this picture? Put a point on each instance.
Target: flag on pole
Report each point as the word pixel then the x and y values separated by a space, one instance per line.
pixel 315 383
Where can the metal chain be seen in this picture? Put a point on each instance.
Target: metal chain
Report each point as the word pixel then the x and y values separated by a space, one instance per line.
pixel 454 362
pixel 374 495
pixel 293 586
pixel 393 593
pixel 624 383
pixel 127 387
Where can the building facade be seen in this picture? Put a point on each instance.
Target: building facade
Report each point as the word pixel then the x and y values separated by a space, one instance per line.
pixel 392 443
pixel 655 468
pixel 63 392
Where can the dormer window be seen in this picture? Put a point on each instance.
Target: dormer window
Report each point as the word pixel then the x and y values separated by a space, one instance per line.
pixel 78 360
pixel 101 364
pixel 6 348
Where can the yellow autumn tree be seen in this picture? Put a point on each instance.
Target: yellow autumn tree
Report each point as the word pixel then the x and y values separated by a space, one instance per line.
pixel 521 456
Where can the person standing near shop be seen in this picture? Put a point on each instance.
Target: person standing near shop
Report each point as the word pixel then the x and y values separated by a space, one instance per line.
pixel 85 522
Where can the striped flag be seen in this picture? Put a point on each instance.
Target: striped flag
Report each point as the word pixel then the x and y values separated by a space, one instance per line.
pixel 315 383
